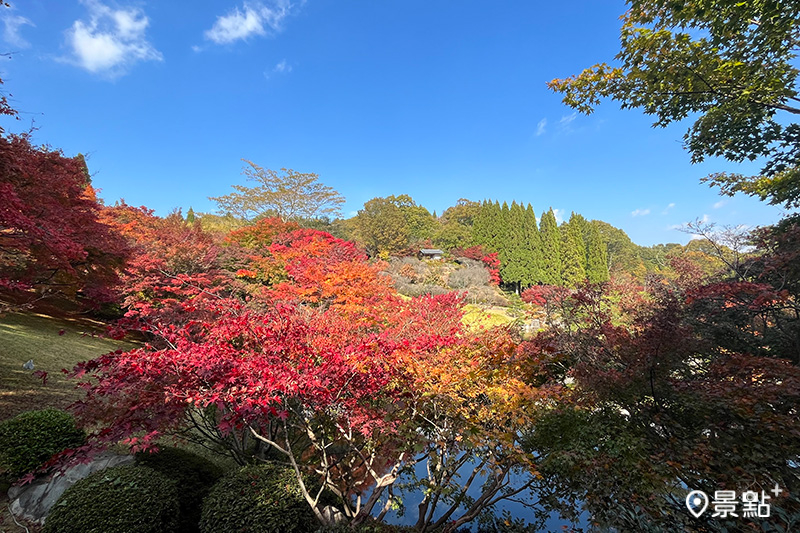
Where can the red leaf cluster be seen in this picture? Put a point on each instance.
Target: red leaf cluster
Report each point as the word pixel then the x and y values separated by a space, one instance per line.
pixel 52 236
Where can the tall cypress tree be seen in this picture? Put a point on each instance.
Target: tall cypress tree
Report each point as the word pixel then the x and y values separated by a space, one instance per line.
pixel 573 254
pixel 533 248
pixel 488 229
pixel 516 257
pixel 551 249
pixel 596 256
pixel 503 243
pixel 480 226
pixel 583 229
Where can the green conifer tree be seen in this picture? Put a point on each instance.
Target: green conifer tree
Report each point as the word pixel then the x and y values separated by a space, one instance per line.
pixel 597 256
pixel 480 225
pixel 583 229
pixel 495 241
pixel 573 254
pixel 533 248
pixel 551 249
pixel 503 245
pixel 513 272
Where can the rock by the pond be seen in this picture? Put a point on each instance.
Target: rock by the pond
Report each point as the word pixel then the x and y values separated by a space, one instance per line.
pixel 32 502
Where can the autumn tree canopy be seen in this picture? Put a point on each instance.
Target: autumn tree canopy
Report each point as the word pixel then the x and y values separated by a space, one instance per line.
pixel 52 238
pixel 286 194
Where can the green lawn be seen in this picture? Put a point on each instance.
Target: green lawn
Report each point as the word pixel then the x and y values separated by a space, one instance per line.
pixel 33 336
pixel 476 316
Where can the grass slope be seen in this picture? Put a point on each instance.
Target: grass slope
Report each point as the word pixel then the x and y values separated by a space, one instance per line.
pixel 488 317
pixel 33 336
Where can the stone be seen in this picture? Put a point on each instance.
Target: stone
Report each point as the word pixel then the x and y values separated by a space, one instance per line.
pixel 32 502
pixel 332 514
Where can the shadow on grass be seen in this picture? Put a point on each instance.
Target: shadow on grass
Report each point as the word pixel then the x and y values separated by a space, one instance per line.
pixel 52 344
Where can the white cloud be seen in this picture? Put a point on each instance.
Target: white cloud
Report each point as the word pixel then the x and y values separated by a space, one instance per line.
pixel 696 238
pixel 253 19
pixel 111 41
pixel 567 119
pixel 559 214
pixel 281 67
pixel 720 204
pixel 540 127
pixel 668 208
pixel 640 212
pixel 706 219
pixel 11 26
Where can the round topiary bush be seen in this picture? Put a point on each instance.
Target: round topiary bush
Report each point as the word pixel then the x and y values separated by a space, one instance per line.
pixel 29 439
pixel 257 499
pixel 122 499
pixel 194 476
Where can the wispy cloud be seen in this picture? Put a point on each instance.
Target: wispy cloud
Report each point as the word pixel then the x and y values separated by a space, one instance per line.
pixel 559 214
pixel 282 67
pixel 541 126
pixel 253 19
pixel 668 208
pixel 11 26
pixel 720 204
pixel 640 212
pixel 566 120
pixel 564 125
pixel 111 41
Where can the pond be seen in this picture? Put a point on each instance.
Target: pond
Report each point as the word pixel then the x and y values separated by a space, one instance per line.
pixel 412 498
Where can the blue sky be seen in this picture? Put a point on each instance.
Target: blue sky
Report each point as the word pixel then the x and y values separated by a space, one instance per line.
pixel 440 100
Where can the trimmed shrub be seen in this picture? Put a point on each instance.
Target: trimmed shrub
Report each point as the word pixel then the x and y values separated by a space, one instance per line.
pixel 122 499
pixel 257 499
pixel 194 476
pixel 469 276
pixel 486 295
pixel 30 439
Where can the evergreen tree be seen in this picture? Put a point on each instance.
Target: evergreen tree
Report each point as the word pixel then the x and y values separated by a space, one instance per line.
pixel 502 243
pixel 583 230
pixel 533 248
pixel 596 256
pixel 488 227
pixel 513 271
pixel 481 227
pixel 190 216
pixel 86 175
pixel 573 254
pixel 551 249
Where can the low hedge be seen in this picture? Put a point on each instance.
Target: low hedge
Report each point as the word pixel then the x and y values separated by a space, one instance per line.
pixel 262 498
pixel 123 499
pixel 194 475
pixel 30 439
